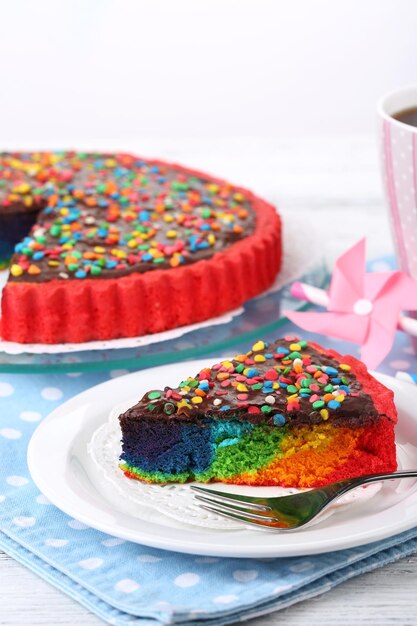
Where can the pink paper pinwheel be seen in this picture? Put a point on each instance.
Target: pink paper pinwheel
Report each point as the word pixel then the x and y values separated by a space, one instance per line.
pixel 363 307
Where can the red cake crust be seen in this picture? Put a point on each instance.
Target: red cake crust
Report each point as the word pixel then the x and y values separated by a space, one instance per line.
pixel 77 311
pixel 382 397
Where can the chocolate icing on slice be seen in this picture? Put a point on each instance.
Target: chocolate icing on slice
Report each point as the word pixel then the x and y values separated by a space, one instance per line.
pixel 285 382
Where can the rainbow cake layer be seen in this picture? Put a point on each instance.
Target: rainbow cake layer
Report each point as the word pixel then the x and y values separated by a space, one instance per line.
pixel 287 413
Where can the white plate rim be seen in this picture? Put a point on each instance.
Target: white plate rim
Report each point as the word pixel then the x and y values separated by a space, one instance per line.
pixel 231 543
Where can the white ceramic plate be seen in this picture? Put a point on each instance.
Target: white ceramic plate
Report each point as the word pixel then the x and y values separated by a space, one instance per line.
pixel 61 442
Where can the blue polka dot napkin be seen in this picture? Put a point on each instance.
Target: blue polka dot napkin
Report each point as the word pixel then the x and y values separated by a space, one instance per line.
pixel 125 583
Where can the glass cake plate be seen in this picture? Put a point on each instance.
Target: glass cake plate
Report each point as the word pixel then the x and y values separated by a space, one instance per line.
pixel 256 318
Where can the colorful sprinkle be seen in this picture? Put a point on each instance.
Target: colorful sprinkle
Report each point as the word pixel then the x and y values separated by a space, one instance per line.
pixel 294 381
pixel 279 420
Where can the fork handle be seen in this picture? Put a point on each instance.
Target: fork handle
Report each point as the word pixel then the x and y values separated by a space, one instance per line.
pixel 371 478
pixel 343 486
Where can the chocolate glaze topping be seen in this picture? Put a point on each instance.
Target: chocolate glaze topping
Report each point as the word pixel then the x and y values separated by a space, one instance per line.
pixel 110 215
pixel 284 382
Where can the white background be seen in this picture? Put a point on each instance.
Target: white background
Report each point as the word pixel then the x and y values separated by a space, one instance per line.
pixel 276 95
pixel 115 72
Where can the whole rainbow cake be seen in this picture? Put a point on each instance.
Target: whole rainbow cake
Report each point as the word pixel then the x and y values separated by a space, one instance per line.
pixel 110 246
pixel 287 413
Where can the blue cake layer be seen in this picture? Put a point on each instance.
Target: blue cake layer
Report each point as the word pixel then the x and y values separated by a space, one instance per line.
pixel 177 447
pixel 13 228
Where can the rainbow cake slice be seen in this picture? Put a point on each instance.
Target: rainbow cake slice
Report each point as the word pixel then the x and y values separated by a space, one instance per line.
pixel 286 413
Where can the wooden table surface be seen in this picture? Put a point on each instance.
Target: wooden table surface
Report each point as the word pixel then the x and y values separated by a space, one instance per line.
pixel 333 184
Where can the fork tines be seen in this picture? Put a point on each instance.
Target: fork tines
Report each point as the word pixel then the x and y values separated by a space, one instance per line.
pixel 219 497
pixel 236 507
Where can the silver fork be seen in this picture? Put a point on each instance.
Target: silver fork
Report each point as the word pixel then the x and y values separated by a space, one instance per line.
pixel 285 513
